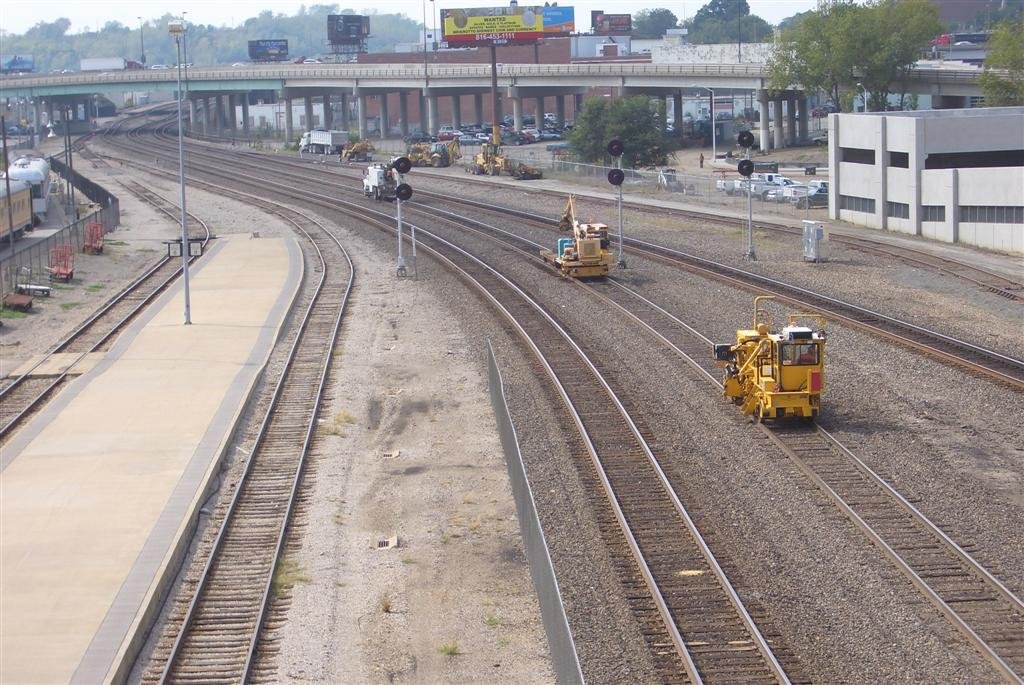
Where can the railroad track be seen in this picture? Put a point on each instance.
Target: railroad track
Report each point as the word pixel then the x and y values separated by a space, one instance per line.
pixel 975 358
pixel 227 615
pixel 24 394
pixel 696 626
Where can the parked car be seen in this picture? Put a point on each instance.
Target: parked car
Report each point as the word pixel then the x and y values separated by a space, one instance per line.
pixel 419 137
pixel 483 137
pixel 822 111
pixel 159 66
pixel 465 139
pixel 448 133
pixel 817 198
pixel 532 133
pixel 311 61
pixel 550 134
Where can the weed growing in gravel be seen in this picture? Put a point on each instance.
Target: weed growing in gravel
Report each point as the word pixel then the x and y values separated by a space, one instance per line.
pixel 344 417
pixel 492 621
pixel 286 575
pixel 385 603
pixel 336 426
pixel 95 287
pixel 114 242
pixel 12 314
pixel 408 560
pixel 449 649
pixel 475 524
pixel 469 499
pixel 67 306
pixel 339 519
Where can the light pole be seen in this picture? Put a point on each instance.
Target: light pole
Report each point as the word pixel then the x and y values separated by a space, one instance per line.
pixel 176 27
pixel 714 137
pixel 864 95
pixel 433 30
pixel 142 42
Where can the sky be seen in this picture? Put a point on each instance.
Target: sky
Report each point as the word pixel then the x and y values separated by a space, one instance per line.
pixel 17 17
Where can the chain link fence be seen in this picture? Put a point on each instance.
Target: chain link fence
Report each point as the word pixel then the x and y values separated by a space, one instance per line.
pixel 29 263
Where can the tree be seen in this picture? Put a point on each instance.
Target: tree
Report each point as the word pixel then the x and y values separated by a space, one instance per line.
pixel 636 121
pixel 1006 52
pixel 749 29
pixel 721 10
pixel 892 34
pixel 653 23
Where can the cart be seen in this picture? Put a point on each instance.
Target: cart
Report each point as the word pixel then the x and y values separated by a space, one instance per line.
pixel 93 238
pixel 62 263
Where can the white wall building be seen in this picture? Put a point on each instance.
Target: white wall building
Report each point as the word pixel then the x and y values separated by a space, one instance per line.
pixel 955 175
pixel 674 51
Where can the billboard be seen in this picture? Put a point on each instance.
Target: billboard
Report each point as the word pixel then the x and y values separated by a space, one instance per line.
pixel 268 50
pixel 345 29
pixel 602 24
pixel 501 25
pixel 15 63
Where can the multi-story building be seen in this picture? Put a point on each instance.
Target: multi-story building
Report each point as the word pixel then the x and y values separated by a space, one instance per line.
pixel 951 175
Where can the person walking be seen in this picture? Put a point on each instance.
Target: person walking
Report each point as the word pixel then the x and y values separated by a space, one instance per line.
pixel 702 160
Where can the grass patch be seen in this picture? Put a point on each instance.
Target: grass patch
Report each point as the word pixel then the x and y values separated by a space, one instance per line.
pixel 12 314
pixel 68 306
pixel 386 604
pixel 449 649
pixel 118 243
pixel 408 560
pixel 287 574
pixel 58 286
pixel 492 621
pixel 344 417
pixel 95 287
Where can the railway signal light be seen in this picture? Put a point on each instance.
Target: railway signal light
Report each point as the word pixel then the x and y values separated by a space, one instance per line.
pixel 745 139
pixel 616 147
pixel 616 177
pixel 404 191
pixel 402 165
pixel 745 167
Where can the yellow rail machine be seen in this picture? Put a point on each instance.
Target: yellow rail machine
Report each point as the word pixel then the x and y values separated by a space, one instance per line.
pixel 586 253
pixel 775 375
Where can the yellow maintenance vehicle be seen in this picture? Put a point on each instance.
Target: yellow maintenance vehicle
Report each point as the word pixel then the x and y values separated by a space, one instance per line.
pixel 359 151
pixel 446 153
pixel 489 161
pixel 775 375
pixel 587 253
pixel 418 154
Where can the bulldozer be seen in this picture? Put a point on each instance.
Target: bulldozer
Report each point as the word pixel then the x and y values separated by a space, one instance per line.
pixel 419 154
pixel 359 151
pixel 520 171
pixel 775 375
pixel 444 154
pixel 587 253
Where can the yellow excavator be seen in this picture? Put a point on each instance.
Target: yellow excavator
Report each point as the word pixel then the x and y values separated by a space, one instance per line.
pixel 444 154
pixel 359 151
pixel 419 154
pixel 587 253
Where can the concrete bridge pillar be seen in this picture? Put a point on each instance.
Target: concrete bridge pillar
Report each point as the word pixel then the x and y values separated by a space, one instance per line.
pixel 361 115
pixel 478 108
pixel 218 117
pixel 246 127
pixel 49 112
pixel 577 105
pixel 308 102
pixel 539 113
pixel 328 111
pixel 677 111
pixel 431 114
pixel 766 136
pixel 560 110
pixel 804 120
pixel 232 113
pixel 343 109
pixel 791 136
pixel 385 116
pixel 207 117
pixel 403 112
pixel 289 130
pixel 780 141
pixel 663 112
pixel 456 111
pixel 517 113
pixel 191 114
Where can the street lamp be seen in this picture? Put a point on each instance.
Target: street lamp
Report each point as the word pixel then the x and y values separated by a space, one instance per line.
pixel 433 30
pixel 864 95
pixel 714 137
pixel 176 27
pixel 142 42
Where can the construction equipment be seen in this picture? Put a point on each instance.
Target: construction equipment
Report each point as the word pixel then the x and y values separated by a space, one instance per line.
pixel 775 375
pixel 586 253
pixel 446 153
pixel 359 151
pixel 520 171
pixel 418 154
pixel 489 161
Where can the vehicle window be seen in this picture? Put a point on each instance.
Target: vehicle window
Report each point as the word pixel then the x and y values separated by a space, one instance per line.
pixel 799 354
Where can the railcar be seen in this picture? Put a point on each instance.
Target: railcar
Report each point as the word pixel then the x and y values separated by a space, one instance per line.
pixel 36 172
pixel 20 203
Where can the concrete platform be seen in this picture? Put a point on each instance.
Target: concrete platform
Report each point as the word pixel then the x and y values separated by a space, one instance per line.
pixel 99 493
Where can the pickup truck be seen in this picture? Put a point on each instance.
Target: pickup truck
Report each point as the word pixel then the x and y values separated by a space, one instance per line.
pixel 448 133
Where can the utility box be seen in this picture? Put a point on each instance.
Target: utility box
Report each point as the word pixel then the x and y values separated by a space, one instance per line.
pixel 815 241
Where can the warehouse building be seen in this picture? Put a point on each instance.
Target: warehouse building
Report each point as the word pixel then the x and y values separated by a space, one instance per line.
pixel 951 175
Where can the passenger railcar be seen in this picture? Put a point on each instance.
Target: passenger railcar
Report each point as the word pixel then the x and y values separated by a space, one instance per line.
pixel 21 210
pixel 36 172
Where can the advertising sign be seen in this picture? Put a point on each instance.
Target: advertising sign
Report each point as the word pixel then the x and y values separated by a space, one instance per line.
pixel 501 25
pixel 611 24
pixel 16 63
pixel 268 50
pixel 347 28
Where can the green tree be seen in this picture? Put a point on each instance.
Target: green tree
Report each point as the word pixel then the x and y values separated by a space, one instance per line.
pixel 636 121
pixel 749 29
pixel 1006 54
pixel 653 23
pixel 818 52
pixel 722 10
pixel 892 34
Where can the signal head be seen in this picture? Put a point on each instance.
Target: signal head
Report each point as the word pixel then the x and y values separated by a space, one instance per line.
pixel 616 177
pixel 616 147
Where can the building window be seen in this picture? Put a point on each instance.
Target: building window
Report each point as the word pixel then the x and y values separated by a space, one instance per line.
pixel 991 215
pixel 857 155
pixel 933 213
pixel 899 210
pixel 899 159
pixel 857 204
